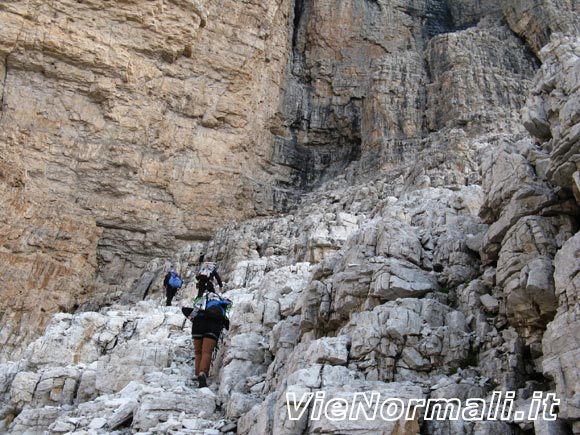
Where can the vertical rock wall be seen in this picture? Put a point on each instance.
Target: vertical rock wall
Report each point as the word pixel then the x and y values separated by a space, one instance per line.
pixel 141 125
pixel 385 87
pixel 48 261
pixel 536 20
pixel 128 129
pixel 554 118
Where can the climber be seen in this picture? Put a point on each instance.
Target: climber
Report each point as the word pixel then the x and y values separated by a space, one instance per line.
pixel 209 316
pixel 205 276
pixel 172 283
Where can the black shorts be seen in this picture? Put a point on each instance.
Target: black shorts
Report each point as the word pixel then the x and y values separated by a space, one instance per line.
pixel 206 327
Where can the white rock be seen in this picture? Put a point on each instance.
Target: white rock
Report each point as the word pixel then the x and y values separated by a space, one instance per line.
pixel 329 351
pixel 97 423
pixel 23 387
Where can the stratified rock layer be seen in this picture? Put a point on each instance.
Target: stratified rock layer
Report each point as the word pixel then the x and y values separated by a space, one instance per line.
pixel 126 130
pixel 437 261
pixel 554 118
pixel 156 124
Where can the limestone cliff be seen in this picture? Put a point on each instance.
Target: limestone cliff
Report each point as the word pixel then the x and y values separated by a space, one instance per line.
pixel 419 160
pixel 141 125
pixel 159 124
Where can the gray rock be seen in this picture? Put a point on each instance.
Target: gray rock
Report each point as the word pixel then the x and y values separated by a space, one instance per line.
pixel 160 406
pixel 546 427
pixel 34 421
pixel 555 91
pixel 561 341
pixel 228 427
pixel 24 387
pixel 525 271
pixel 123 414
pixel 333 351
pixel 398 279
pixel 490 303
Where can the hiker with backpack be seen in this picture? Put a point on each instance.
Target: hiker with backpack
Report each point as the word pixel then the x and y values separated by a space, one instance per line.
pixel 209 316
pixel 172 283
pixel 207 273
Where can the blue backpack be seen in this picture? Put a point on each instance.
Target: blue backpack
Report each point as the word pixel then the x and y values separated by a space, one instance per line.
pixel 217 307
pixel 175 280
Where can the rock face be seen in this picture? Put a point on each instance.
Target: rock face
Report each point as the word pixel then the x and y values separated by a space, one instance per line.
pixel 552 113
pixel 366 93
pixel 554 109
pixel 159 131
pixel 48 262
pixel 536 21
pixel 126 130
pixel 427 247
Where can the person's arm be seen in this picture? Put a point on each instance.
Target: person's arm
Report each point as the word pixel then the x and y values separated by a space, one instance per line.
pixel 218 279
pixel 166 280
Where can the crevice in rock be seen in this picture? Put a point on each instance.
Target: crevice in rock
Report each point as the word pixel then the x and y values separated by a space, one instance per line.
pixel 398 357
pixel 36 386
pixel 108 347
pixel 439 19
pixel 423 429
pixel 471 359
pixel 299 6
pixel 147 290
pixel 306 430
pixel 124 424
pixel 529 52
pixel 4 80
pixel 76 389
pixel 120 227
pixel 314 140
pixel 530 373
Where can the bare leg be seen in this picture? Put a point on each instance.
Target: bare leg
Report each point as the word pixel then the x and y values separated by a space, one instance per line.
pixel 197 345
pixel 207 349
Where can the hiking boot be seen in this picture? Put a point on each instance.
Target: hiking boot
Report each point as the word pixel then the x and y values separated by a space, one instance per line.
pixel 202 380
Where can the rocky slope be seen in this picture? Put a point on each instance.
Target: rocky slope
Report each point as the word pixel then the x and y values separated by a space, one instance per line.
pixel 438 258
